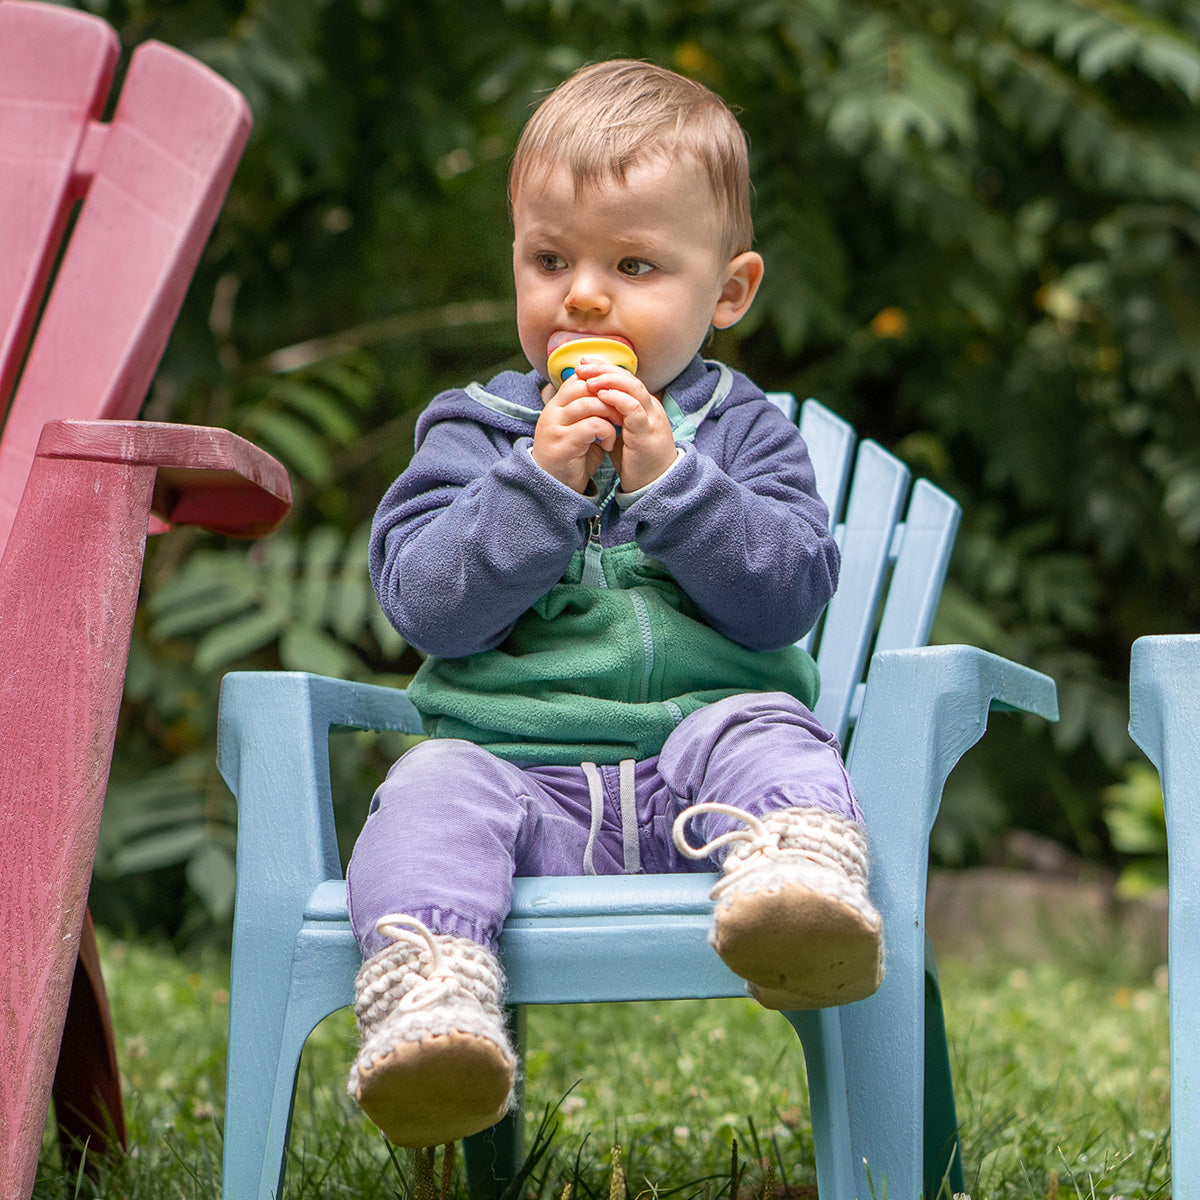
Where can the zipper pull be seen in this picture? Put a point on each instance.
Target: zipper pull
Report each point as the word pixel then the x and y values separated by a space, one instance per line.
pixel 593 570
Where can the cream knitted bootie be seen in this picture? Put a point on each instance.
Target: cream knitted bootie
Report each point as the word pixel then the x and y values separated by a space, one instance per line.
pixel 792 914
pixel 436 1062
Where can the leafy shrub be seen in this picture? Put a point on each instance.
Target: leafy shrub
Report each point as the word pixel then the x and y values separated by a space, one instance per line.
pixel 979 220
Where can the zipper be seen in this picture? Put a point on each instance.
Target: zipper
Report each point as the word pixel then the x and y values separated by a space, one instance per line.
pixel 593 576
pixel 642 611
pixel 593 570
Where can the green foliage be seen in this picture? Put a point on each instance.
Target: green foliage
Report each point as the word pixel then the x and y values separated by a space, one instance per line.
pixel 305 416
pixel 310 598
pixel 980 225
pixel 1133 810
pixel 171 817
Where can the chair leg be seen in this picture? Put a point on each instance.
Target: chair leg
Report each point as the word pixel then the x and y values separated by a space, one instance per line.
pixel 820 1033
pixel 943 1150
pixel 494 1157
pixel 252 1068
pixel 87 1089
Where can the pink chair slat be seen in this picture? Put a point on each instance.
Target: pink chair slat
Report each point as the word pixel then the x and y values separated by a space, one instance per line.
pixel 56 66
pixel 161 172
pixel 63 648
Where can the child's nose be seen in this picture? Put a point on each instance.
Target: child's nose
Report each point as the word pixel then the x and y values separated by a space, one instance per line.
pixel 587 293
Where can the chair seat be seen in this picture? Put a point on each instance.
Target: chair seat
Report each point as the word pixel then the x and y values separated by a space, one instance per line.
pixel 612 937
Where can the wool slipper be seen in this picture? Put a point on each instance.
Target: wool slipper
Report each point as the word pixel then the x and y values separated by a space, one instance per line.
pixel 436 1063
pixel 442 1088
pixel 793 917
pixel 798 948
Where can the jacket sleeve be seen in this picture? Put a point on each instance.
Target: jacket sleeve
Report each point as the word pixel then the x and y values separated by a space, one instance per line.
pixel 739 525
pixel 469 537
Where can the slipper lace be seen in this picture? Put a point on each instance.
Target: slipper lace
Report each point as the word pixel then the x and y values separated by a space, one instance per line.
pixel 788 836
pixel 391 979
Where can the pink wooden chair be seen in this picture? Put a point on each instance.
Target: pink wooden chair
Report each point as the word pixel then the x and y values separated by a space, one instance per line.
pixel 76 493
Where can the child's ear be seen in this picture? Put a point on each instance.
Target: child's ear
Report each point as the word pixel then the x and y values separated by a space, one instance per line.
pixel 743 275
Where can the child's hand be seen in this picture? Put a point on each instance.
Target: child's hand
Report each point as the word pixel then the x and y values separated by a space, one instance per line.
pixel 574 432
pixel 646 445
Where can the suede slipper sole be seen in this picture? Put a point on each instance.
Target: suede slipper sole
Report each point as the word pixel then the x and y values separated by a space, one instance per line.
pixel 437 1090
pixel 799 949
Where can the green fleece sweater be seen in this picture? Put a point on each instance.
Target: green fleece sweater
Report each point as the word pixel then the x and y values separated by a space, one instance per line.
pixel 599 673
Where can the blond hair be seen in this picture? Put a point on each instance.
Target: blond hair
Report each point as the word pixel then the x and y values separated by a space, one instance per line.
pixel 612 116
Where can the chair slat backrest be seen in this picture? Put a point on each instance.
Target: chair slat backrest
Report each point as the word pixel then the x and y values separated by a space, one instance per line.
pixel 894 559
pixel 54 79
pixel 922 556
pixel 830 442
pixel 874 507
pixel 151 183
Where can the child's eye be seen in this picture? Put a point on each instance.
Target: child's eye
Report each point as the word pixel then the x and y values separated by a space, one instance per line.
pixel 634 266
pixel 549 261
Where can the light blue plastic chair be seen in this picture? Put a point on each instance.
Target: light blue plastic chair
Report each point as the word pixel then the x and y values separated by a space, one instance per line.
pixel 878 1093
pixel 1164 699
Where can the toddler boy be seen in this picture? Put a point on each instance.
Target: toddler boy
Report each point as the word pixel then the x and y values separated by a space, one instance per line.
pixel 608 578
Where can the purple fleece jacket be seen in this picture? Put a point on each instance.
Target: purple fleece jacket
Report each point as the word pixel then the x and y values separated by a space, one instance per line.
pixel 474 531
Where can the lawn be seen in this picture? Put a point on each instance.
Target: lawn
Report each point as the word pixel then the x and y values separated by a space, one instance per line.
pixel 1061 1069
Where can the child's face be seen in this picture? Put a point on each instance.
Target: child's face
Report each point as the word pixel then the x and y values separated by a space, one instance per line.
pixel 640 261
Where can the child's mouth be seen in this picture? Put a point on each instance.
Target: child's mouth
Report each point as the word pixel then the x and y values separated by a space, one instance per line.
pixel 565 357
pixel 561 337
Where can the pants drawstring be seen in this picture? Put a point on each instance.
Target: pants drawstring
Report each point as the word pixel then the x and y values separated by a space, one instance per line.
pixel 630 849
pixel 596 794
pixel 630 846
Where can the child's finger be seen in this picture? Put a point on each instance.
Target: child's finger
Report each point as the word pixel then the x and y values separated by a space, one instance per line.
pixel 575 399
pixel 582 435
pixel 572 389
pixel 590 406
pixel 643 412
pixel 605 432
pixel 597 374
pixel 624 405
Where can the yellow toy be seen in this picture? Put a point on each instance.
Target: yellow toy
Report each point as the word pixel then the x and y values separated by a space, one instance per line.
pixel 563 361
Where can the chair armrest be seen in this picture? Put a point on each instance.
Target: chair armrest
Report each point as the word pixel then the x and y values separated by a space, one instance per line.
pixel 273 752
pixel 290 708
pixel 204 476
pixel 1164 681
pixel 922 710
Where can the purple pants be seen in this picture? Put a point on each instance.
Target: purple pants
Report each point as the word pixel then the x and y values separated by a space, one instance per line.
pixel 452 824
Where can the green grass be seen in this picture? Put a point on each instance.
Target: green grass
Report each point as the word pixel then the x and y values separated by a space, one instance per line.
pixel 1061 1071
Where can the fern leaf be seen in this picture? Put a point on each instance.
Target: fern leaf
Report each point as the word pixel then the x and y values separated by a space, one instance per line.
pixel 304 648
pixel 323 409
pixel 212 875
pixel 199 611
pixel 229 643
pixel 354 378
pixel 159 850
pixel 322 553
pixel 351 595
pixel 291 439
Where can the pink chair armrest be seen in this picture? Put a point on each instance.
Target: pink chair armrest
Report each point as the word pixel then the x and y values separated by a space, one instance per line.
pixel 206 477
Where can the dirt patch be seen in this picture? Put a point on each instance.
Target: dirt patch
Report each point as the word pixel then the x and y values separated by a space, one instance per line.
pixel 1042 902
